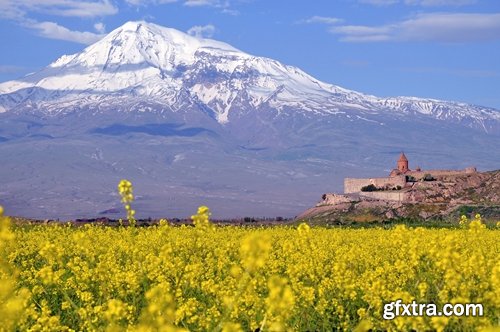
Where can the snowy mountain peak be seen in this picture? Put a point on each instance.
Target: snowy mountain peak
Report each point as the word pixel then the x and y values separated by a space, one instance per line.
pixel 141 42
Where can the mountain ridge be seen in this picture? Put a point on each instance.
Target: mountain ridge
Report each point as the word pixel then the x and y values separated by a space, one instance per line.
pixel 145 59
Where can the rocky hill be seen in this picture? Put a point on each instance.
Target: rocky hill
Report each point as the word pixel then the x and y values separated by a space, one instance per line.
pixel 446 197
pixel 474 188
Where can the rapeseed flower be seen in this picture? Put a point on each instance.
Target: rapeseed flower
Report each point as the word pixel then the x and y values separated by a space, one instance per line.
pixel 238 279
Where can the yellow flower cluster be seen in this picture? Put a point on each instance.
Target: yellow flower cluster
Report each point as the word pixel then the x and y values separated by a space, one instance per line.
pixel 202 218
pixel 473 224
pixel 208 278
pixel 13 299
pixel 125 190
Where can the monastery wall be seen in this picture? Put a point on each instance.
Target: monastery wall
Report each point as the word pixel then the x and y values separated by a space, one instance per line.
pixel 334 199
pixel 386 195
pixel 353 185
pixel 441 172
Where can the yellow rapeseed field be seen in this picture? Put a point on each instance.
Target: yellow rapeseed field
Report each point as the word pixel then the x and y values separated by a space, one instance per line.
pixel 209 278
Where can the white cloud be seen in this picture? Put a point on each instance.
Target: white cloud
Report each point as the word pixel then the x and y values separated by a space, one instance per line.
pixel 223 5
pixel 148 2
pixel 424 3
pixel 189 3
pixel 360 33
pixel 230 11
pixel 72 8
pixel 81 8
pixel 379 2
pixel 100 27
pixel 437 27
pixel 454 27
pixel 55 31
pixel 9 10
pixel 20 11
pixel 197 3
pixel 435 3
pixel 205 31
pixel 322 20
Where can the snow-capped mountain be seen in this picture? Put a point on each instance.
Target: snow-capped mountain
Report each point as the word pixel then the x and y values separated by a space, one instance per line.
pixel 206 120
pixel 170 68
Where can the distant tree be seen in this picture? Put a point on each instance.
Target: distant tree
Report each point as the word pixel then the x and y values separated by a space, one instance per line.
pixel 465 210
pixel 370 187
pixel 410 178
pixel 428 177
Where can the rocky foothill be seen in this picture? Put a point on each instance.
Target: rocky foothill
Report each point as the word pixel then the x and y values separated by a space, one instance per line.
pixel 445 197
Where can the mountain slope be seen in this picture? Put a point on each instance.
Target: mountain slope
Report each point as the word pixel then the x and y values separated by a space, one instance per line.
pixel 192 119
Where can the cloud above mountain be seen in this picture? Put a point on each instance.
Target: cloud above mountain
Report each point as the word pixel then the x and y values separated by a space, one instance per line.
pixel 205 31
pixel 19 9
pixel 423 3
pixel 22 11
pixel 53 30
pixel 423 27
pixel 321 20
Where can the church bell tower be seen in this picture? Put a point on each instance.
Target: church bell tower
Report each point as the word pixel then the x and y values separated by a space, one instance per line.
pixel 403 163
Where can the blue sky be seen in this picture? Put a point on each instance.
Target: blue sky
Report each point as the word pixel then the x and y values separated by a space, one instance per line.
pixel 443 49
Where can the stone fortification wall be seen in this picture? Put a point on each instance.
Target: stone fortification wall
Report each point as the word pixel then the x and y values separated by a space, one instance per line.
pixel 338 199
pixel 353 185
pixel 334 199
pixel 386 195
pixel 441 172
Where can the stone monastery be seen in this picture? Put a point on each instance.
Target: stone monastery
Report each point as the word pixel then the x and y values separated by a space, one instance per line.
pixel 395 187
